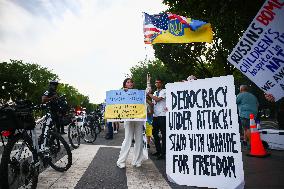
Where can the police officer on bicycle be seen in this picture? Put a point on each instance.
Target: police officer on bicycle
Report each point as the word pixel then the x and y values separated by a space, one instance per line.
pixel 51 96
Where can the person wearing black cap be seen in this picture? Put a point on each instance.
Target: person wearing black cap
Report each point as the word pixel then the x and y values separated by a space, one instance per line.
pixel 50 95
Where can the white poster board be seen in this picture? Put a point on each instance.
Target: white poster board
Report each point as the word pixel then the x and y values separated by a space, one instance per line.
pixel 203 142
pixel 260 52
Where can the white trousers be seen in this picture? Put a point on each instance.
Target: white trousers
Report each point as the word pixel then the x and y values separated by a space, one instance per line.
pixel 132 129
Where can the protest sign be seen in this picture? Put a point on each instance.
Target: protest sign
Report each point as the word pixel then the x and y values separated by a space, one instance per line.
pixel 125 105
pixel 260 52
pixel 203 140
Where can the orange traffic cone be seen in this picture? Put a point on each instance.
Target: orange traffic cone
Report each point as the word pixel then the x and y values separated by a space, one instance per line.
pixel 256 147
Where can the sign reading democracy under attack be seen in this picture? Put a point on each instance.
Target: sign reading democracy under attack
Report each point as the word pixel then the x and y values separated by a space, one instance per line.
pixel 203 146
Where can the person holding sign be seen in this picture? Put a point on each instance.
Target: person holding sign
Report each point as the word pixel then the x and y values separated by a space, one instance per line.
pixel 159 118
pixel 133 129
pixel 247 104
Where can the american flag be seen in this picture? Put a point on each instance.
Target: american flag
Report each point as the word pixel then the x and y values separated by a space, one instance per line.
pixel 156 24
pixel 153 25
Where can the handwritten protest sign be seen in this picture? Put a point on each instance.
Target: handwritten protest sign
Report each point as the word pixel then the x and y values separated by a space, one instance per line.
pixel 125 105
pixel 203 140
pixel 260 52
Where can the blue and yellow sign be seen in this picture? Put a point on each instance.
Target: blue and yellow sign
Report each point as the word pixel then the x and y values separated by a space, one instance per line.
pixel 125 105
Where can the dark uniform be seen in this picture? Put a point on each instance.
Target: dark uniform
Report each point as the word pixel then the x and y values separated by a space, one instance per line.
pixel 55 110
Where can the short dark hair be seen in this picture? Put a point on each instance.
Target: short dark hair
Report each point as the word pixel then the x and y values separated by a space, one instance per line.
pixel 124 82
pixel 159 79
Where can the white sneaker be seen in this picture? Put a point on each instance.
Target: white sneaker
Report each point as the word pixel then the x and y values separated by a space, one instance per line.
pixel 138 165
pixel 114 132
pixel 120 165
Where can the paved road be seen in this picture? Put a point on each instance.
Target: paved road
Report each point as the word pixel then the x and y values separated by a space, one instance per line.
pixel 94 166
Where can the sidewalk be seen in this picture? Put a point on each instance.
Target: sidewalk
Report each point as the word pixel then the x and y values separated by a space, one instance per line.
pixel 94 166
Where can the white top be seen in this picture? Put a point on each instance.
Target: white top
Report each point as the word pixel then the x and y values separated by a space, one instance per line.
pixel 160 107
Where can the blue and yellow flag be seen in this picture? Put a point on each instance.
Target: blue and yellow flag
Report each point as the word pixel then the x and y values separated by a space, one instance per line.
pixel 126 105
pixel 172 28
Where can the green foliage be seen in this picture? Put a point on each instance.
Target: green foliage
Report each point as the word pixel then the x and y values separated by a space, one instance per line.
pixel 229 19
pixel 155 68
pixel 23 81
pixel 29 81
pixel 74 98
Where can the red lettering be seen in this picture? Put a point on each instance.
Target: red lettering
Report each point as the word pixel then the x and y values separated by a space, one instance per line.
pixel 278 3
pixel 267 13
pixel 262 20
pixel 270 6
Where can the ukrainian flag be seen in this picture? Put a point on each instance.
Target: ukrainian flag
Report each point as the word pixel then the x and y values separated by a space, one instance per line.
pixel 124 105
pixel 172 28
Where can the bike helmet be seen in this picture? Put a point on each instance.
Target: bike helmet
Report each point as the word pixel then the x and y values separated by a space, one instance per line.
pixel 53 82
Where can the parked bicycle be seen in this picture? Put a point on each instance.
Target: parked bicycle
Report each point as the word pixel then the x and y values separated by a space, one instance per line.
pixel 81 128
pixel 20 163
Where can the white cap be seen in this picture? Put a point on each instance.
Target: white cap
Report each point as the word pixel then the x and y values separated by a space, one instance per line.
pixel 192 77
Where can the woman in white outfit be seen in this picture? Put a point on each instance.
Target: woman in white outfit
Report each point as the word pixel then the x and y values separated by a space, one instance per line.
pixel 132 129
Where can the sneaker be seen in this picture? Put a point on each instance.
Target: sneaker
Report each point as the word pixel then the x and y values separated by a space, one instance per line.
pixel 114 132
pixel 148 146
pixel 120 165
pixel 138 165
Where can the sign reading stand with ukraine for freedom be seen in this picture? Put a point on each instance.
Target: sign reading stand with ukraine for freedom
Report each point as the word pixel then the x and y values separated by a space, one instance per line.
pixel 173 28
pixel 125 105
pixel 260 52
pixel 203 140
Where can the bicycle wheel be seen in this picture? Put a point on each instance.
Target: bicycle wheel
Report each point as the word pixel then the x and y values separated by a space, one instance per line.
pixel 90 134
pixel 60 156
pixel 19 164
pixel 98 128
pixel 74 135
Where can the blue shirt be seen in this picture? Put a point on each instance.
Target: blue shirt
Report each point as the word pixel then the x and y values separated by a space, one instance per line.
pixel 247 104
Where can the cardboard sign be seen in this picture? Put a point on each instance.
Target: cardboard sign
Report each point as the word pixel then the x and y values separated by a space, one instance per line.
pixel 126 105
pixel 260 52
pixel 203 140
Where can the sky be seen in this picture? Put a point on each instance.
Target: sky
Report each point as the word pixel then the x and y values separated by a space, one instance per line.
pixel 89 44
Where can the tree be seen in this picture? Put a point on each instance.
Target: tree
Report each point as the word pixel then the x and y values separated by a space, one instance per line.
pixel 156 69
pixel 23 81
pixel 229 20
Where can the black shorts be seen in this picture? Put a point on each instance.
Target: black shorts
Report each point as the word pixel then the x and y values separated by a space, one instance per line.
pixel 245 123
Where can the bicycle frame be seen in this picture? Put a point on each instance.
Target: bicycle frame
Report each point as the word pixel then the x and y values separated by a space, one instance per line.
pixel 45 122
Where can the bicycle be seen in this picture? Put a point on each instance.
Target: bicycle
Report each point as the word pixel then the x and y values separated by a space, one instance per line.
pixel 81 128
pixel 22 154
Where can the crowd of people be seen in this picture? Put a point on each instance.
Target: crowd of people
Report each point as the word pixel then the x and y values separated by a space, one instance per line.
pixel 247 104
